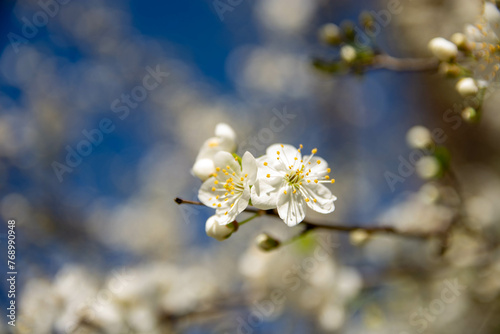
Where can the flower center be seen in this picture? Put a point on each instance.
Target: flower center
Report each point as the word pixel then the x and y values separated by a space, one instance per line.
pixel 294 177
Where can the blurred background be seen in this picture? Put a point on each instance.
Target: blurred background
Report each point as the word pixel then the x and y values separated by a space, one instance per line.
pixel 103 248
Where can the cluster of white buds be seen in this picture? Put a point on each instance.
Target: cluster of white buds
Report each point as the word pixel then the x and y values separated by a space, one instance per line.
pixel 282 179
pixel 355 44
pixel 472 56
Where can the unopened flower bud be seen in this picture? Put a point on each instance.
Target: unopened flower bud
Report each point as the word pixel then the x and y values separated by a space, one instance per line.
pixel 348 53
pixel 443 49
pixel 470 115
pixel 266 242
pixel 217 231
pixel 460 40
pixel 348 29
pixel 359 237
pixel 428 167
pixel 429 193
pixel 419 137
pixel 366 19
pixel 224 131
pixel 203 168
pixel 467 87
pixel 330 34
pixel 450 70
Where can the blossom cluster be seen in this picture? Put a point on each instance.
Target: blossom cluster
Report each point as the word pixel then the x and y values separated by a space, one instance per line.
pixel 282 179
pixel 472 56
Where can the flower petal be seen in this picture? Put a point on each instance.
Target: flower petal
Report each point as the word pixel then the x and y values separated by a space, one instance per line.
pixel 264 192
pixel 291 207
pixel 213 145
pixel 317 170
pixel 249 166
pixel 223 159
pixel 209 190
pixel 286 155
pixel 240 204
pixel 223 130
pixel 322 195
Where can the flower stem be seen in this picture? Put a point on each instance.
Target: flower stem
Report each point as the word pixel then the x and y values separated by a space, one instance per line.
pixel 249 219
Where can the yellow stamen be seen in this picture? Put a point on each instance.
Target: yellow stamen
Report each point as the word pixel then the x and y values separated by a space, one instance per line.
pixel 314 150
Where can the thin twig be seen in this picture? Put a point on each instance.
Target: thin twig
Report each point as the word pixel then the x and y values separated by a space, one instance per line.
pixel 334 227
pixel 384 61
pixel 459 216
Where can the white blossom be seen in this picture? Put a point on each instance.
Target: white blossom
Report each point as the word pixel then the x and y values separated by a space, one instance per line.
pixel 228 190
pixel 290 183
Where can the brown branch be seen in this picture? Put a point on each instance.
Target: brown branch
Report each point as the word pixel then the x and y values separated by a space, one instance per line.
pixel 384 61
pixel 334 227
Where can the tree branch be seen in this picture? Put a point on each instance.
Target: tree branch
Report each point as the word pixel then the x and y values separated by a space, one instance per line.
pixel 335 227
pixel 384 61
